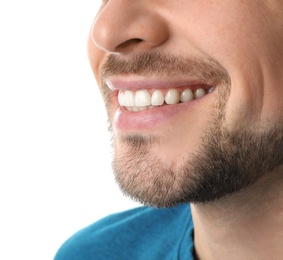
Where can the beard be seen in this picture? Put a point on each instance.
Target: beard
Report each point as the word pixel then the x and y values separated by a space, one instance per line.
pixel 226 161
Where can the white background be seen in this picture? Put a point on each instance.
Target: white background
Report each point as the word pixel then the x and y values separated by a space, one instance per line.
pixel 55 155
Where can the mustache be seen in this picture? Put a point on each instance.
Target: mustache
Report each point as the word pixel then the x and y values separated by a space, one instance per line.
pixel 163 64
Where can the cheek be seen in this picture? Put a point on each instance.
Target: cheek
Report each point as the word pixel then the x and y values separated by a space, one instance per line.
pixel 241 108
pixel 250 103
pixel 273 106
pixel 227 31
pixel 242 44
pixel 256 92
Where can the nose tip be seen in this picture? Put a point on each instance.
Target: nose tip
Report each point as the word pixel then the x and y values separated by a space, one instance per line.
pixel 125 25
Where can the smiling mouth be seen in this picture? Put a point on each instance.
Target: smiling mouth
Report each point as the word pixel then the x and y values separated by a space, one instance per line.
pixel 144 99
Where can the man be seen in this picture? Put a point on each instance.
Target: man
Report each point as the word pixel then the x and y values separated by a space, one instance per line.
pixel 193 91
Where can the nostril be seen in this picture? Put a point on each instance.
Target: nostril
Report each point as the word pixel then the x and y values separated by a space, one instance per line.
pixel 128 43
pixel 137 40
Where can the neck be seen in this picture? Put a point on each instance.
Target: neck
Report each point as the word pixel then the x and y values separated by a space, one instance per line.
pixel 246 225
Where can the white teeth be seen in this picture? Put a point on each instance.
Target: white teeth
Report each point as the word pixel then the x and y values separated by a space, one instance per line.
pixel 157 98
pixel 187 95
pixel 200 92
pixel 172 97
pixel 121 98
pixel 129 98
pixel 143 100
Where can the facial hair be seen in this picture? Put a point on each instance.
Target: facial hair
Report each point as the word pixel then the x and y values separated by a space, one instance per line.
pixel 225 162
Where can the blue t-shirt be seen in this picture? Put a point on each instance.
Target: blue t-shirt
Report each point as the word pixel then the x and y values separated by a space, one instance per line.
pixel 138 234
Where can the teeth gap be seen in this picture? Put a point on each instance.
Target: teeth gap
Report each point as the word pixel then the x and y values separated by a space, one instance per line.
pixel 143 100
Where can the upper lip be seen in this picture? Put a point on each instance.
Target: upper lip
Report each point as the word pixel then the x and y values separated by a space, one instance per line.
pixel 137 83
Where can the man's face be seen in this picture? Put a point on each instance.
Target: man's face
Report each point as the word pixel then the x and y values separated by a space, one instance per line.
pixel 193 93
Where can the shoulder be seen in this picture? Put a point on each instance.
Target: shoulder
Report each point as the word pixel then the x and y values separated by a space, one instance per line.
pixel 134 234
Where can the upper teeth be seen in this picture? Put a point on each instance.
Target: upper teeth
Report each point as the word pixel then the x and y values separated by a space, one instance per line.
pixel 142 99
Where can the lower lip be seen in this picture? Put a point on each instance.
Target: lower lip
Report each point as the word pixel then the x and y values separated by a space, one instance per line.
pixel 153 117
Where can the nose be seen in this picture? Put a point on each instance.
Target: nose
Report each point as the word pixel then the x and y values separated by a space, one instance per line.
pixel 124 26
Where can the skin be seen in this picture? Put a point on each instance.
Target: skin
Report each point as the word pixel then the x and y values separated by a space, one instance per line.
pixel 244 38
